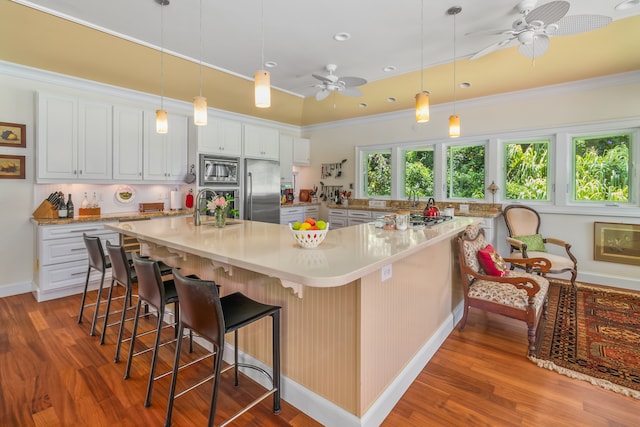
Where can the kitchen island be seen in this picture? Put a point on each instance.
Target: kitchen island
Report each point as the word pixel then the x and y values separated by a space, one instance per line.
pixel 362 313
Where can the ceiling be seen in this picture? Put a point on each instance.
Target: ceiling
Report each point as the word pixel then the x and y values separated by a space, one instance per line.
pixel 299 36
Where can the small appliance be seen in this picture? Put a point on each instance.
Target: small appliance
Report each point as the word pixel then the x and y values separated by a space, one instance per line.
pixel 216 170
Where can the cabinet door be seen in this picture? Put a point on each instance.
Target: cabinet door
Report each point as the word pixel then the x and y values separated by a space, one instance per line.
pixel 95 141
pixel 57 137
pixel 286 159
pixel 230 134
pixel 154 150
pixel 301 151
pixel 128 128
pixel 261 142
pixel 176 148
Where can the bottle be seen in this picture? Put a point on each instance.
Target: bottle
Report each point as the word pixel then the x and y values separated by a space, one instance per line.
pixel 69 207
pixel 94 201
pixel 62 207
pixel 85 201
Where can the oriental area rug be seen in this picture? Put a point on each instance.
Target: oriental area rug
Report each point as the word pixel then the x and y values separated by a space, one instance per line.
pixel 592 334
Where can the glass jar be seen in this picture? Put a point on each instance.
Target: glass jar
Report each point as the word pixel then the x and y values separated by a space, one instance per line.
pixel 402 219
pixel 389 222
pixel 379 222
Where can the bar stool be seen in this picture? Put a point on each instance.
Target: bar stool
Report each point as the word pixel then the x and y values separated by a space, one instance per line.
pixel 206 314
pixel 152 290
pixel 98 262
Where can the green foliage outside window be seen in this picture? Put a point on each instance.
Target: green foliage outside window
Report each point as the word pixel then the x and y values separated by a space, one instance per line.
pixel 465 172
pixel 378 174
pixel 527 170
pixel 602 168
pixel 418 171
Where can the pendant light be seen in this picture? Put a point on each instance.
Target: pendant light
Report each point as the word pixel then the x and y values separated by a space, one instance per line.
pixel 200 102
pixel 454 119
pixel 162 122
pixel 422 97
pixel 262 78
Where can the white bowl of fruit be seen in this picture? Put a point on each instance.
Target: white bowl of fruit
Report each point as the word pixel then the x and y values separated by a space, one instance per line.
pixel 310 233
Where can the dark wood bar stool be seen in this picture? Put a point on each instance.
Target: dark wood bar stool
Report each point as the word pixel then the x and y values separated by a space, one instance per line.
pixel 206 314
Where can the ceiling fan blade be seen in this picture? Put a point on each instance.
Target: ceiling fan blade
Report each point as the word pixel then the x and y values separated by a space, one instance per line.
pixel 351 91
pixel 536 48
pixel 492 48
pixel 353 81
pixel 322 94
pixel 494 32
pixel 322 78
pixel 576 24
pixel 548 13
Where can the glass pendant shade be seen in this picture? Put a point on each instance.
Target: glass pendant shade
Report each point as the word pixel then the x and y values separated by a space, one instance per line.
pixel 454 126
pixel 422 107
pixel 162 123
pixel 200 111
pixel 262 80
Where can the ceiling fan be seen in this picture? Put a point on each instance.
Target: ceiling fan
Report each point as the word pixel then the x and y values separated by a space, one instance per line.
pixel 537 24
pixel 332 83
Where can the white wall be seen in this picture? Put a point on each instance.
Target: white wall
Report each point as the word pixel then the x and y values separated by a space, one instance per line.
pixel 599 100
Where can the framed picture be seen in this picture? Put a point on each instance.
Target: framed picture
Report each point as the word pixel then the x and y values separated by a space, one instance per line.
pixel 13 135
pixel 12 167
pixel 617 242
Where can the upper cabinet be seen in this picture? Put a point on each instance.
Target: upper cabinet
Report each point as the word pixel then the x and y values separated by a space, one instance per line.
pixel 220 136
pixel 261 142
pixel 301 151
pixel 165 155
pixel 128 131
pixel 73 138
pixel 286 158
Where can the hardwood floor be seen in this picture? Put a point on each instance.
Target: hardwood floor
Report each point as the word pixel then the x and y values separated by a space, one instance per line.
pixel 52 373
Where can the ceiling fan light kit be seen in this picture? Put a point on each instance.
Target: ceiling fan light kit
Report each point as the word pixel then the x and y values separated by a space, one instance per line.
pixel 533 30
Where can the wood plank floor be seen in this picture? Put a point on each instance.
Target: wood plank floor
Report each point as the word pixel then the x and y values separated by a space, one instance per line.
pixel 52 373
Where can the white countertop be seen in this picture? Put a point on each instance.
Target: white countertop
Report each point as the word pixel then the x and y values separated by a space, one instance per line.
pixel 345 255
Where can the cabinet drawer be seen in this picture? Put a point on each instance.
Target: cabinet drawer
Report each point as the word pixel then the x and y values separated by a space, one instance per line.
pixel 356 221
pixel 337 222
pixel 63 275
pixel 69 249
pixel 76 230
pixel 337 212
pixel 359 214
pixel 312 211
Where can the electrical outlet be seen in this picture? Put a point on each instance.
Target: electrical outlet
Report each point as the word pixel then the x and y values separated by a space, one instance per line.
pixel 377 203
pixel 160 197
pixel 386 272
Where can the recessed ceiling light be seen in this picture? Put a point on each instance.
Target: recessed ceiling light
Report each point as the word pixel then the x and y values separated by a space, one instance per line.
pixel 627 4
pixel 389 68
pixel 362 105
pixel 391 99
pixel 271 64
pixel 464 85
pixel 341 37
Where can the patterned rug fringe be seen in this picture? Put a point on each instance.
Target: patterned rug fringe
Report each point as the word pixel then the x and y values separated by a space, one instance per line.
pixel 595 381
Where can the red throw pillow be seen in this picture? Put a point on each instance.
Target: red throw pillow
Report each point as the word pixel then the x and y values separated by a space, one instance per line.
pixel 491 262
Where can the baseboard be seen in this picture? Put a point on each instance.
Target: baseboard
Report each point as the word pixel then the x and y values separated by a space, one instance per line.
pixel 16 289
pixel 328 413
pixel 618 282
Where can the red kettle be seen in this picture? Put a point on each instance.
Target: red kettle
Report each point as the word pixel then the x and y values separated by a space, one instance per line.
pixel 431 209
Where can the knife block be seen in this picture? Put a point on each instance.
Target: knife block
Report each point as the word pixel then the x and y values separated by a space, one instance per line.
pixel 46 210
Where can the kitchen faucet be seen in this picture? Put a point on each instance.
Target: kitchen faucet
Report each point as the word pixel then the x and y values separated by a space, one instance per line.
pixel 196 205
pixel 413 196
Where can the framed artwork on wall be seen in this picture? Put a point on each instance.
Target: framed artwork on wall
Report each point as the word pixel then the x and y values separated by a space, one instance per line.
pixel 13 135
pixel 12 167
pixel 615 242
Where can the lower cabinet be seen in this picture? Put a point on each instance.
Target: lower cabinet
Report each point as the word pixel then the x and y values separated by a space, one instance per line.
pixel 62 258
pixel 355 217
pixel 298 213
pixel 337 218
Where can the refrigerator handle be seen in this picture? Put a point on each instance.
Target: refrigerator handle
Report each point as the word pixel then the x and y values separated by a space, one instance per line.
pixel 250 195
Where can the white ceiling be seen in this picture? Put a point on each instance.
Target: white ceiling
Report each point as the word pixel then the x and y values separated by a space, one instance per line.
pixel 298 34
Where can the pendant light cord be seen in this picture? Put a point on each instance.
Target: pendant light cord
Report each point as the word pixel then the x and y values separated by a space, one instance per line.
pixel 162 56
pixel 262 34
pixel 454 64
pixel 200 47
pixel 422 46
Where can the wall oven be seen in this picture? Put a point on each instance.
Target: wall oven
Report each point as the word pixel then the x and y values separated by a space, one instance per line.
pixel 216 170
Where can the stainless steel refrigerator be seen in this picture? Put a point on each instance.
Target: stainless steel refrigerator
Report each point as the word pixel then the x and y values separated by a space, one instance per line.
pixel 262 190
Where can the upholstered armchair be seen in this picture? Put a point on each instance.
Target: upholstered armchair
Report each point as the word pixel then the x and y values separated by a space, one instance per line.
pixel 523 225
pixel 489 285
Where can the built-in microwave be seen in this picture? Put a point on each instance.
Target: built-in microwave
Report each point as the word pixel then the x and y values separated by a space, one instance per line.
pixel 216 170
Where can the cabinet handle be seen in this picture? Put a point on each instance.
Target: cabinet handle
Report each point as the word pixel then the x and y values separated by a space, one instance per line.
pixel 78 274
pixel 86 229
pixel 80 172
pixel 78 249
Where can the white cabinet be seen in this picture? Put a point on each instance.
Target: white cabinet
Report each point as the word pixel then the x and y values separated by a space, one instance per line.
pixel 62 258
pixel 312 211
pixel 286 159
pixel 301 151
pixel 165 155
pixel 337 218
pixel 489 226
pixel 128 131
pixel 261 142
pixel 291 214
pixel 74 138
pixel 355 216
pixel 220 136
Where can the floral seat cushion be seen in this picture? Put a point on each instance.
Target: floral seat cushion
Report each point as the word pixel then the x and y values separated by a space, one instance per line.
pixel 507 294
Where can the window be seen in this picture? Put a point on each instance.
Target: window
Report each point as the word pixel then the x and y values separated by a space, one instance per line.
pixel 527 170
pixel 602 167
pixel 378 173
pixel 418 172
pixel 465 171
